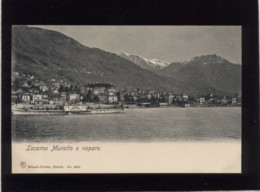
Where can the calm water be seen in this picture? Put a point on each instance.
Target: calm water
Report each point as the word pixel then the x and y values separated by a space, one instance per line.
pixel 157 124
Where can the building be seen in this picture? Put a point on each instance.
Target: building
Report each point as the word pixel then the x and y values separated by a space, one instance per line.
pixel 37 97
pixel 44 88
pixel 170 100
pixel 25 85
pixel 64 96
pixel 112 99
pixel 45 99
pixel 55 91
pixel 99 90
pixel 74 97
pixel 110 93
pixel 185 96
pixel 234 101
pixel 122 98
pixel 19 91
pixel 26 98
pixel 224 100
pixel 111 89
pixel 83 90
pixel 16 74
pixel 202 100
pixel 133 93
pixel 148 95
pixel 34 91
pixel 103 98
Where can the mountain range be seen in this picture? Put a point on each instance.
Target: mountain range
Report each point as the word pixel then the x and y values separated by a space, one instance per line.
pixel 50 54
pixel 208 73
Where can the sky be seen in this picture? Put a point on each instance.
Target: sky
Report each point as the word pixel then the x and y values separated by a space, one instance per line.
pixel 167 43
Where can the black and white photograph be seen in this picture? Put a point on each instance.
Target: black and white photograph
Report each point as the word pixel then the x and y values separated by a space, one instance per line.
pixel 126 98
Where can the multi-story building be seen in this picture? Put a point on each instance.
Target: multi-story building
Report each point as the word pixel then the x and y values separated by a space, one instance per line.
pixel 26 98
pixel 111 89
pixel 74 97
pixel 37 97
pixel 103 98
pixel 148 95
pixel 133 93
pixel 224 100
pixel 64 96
pixel 234 101
pixel 55 91
pixel 185 96
pixel 44 88
pixel 99 90
pixel 112 99
pixel 202 100
pixel 171 97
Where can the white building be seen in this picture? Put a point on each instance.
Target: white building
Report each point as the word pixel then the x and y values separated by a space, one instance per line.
pixel 37 97
pixel 25 98
pixel 74 97
pixel 171 97
pixel 185 96
pixel 44 88
pixel 234 100
pixel 112 99
pixel 202 100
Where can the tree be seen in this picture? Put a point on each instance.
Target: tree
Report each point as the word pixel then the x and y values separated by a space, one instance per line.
pixel 77 89
pixel 118 96
pixel 236 95
pixel 84 98
pixel 191 99
pixel 16 84
pixel 66 89
pixel 29 83
pixel 71 89
pixel 61 88
pixel 89 96
pixel 153 99
pixel 96 99
pixel 162 98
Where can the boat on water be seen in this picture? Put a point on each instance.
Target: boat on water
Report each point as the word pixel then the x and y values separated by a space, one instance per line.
pixel 21 109
pixel 36 112
pixel 81 109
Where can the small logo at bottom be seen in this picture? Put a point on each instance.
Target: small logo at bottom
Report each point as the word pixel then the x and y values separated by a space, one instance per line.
pixel 22 164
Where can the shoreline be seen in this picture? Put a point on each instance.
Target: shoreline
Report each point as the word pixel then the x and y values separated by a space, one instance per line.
pixel 61 113
pixel 180 107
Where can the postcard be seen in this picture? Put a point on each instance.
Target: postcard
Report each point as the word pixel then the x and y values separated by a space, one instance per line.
pixel 126 99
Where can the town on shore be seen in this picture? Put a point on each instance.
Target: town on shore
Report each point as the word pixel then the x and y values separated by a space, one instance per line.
pixel 56 93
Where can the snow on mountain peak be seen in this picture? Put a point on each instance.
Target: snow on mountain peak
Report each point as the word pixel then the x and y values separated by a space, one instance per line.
pixel 124 53
pixel 152 64
pixel 159 62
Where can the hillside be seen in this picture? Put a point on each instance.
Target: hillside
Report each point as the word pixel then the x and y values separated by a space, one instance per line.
pixel 150 64
pixel 50 54
pixel 208 73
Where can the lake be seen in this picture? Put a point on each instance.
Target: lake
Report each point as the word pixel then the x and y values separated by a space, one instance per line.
pixel 142 125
